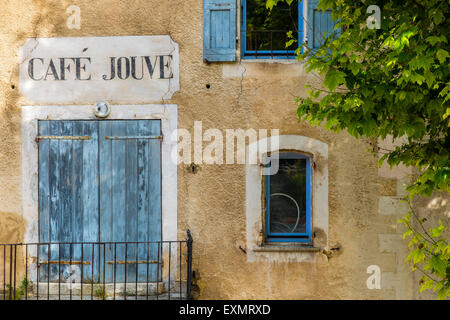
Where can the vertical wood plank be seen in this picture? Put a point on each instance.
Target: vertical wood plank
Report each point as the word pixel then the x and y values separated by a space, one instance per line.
pixel 65 192
pixel 65 188
pixel 118 128
pixel 77 201
pixel 312 21
pixel 106 194
pixel 44 193
pixel 143 194
pixel 154 227
pixel 89 191
pixel 225 29
pixel 55 197
pixel 131 196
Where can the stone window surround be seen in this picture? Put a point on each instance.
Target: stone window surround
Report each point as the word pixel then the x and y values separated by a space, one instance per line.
pixel 288 252
pixel 168 114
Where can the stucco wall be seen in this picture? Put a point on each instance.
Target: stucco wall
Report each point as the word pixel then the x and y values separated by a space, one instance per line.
pixel 211 202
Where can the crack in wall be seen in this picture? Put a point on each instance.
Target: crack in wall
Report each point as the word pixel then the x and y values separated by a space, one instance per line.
pixel 28 55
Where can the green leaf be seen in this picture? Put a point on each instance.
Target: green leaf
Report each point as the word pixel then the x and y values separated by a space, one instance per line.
pixel 433 40
pixel 271 3
pixel 290 42
pixel 392 82
pixel 439 266
pixel 442 293
pixel 438 17
pixel 333 79
pixel 436 232
pixel 427 285
pixel 442 55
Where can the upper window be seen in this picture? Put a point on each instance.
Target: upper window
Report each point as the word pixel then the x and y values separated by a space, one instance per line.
pixel 264 31
pixel 288 198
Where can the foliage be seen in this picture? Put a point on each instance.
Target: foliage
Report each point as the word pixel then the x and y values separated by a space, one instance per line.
pixel 429 253
pixel 261 23
pixel 391 82
pixel 100 292
pixel 19 292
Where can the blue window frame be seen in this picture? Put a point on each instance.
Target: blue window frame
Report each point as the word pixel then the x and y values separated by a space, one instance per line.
pixel 264 32
pixel 288 198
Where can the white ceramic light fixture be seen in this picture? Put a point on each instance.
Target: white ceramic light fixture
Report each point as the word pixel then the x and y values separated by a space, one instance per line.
pixel 102 109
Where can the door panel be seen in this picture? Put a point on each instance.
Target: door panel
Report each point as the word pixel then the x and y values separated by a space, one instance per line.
pixel 68 209
pixel 130 193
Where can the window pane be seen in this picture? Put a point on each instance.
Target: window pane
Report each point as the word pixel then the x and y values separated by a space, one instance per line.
pixel 288 197
pixel 265 26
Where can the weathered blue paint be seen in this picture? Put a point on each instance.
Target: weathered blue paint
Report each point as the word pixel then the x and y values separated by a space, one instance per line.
pixel 65 189
pixel 219 30
pixel 77 196
pixel 134 183
pixel 89 191
pixel 320 25
pixel 118 149
pixel 131 196
pixel 100 190
pixel 154 196
pixel 289 237
pixel 44 193
pixel 106 194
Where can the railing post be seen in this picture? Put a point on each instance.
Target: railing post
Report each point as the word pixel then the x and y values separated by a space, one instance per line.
pixel 10 270
pixel 189 265
pixel 15 270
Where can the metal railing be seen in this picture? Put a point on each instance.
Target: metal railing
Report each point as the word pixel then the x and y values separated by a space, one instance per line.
pixel 96 270
pixel 269 43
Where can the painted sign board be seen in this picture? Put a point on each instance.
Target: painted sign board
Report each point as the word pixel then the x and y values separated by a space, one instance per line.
pixel 124 69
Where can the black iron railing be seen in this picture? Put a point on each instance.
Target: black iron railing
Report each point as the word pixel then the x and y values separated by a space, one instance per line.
pixel 96 270
pixel 269 43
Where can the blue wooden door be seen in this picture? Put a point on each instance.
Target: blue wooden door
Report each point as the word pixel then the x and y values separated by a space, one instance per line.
pixel 99 182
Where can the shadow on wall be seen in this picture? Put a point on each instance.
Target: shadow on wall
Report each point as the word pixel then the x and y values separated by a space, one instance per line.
pixel 12 228
pixel 41 23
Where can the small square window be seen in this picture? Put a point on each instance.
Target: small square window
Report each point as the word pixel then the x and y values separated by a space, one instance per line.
pixel 264 31
pixel 288 198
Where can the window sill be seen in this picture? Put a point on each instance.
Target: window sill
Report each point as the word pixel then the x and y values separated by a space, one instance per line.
pixel 274 60
pixel 286 248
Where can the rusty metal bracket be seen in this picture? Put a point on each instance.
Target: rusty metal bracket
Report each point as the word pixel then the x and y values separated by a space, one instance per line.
pixel 133 262
pixel 62 138
pixel 65 262
pixel 133 137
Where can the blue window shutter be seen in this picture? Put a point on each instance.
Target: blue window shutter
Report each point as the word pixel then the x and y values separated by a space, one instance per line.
pixel 320 25
pixel 68 191
pixel 219 30
pixel 130 196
